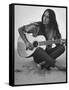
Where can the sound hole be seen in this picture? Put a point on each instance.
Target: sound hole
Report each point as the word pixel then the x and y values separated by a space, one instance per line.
pixel 35 43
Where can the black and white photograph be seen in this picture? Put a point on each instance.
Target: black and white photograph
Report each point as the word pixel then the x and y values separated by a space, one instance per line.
pixel 40 44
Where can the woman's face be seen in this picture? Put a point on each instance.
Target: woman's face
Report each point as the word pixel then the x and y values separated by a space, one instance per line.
pixel 46 18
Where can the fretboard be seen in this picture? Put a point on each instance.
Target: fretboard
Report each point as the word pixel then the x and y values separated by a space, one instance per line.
pixel 49 42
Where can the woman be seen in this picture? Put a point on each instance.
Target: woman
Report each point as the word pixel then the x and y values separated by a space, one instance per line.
pixel 49 28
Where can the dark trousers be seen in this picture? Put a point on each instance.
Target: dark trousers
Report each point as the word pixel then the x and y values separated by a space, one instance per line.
pixel 49 55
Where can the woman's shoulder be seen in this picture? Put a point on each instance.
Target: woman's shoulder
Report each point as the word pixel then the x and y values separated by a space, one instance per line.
pixel 33 24
pixel 39 23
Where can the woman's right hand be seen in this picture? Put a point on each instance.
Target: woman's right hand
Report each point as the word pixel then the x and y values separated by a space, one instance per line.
pixel 29 46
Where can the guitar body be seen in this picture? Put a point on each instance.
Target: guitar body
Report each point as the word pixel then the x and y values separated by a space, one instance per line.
pixel 21 47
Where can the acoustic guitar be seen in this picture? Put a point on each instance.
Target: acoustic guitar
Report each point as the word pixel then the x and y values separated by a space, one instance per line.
pixel 37 42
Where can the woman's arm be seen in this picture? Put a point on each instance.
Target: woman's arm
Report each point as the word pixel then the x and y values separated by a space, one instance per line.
pixel 22 32
pixel 57 35
pixel 31 28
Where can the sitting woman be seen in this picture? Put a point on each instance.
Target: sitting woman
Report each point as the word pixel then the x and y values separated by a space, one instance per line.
pixel 47 27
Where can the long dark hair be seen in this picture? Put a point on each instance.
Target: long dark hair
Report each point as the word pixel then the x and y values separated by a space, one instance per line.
pixel 52 23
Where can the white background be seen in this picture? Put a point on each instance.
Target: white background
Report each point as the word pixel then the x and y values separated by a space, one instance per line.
pixel 4 44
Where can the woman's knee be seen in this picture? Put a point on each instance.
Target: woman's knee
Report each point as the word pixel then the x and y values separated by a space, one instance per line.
pixel 38 51
pixel 38 55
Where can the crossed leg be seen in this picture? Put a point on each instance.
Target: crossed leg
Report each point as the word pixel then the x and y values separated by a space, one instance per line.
pixel 48 57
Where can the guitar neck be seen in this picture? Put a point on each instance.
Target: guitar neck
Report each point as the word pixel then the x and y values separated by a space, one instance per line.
pixel 49 42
